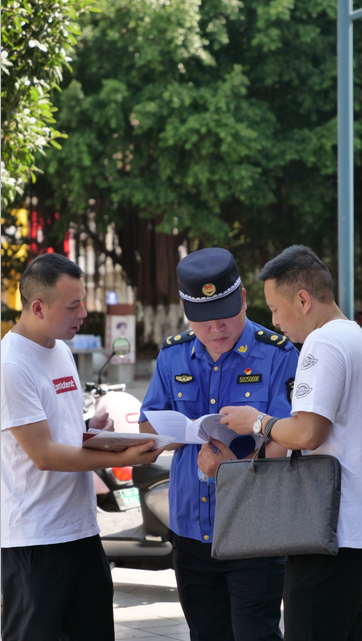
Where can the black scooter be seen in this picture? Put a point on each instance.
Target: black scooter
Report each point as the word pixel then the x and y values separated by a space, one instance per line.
pixel 132 503
pixel 138 537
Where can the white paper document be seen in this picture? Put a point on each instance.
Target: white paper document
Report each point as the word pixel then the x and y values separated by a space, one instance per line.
pixel 184 430
pixel 119 441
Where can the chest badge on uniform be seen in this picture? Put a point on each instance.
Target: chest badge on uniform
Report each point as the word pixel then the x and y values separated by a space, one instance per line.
pixel 209 289
pixel 184 378
pixel 249 378
pixel 242 349
pixel 290 387
pixel 247 371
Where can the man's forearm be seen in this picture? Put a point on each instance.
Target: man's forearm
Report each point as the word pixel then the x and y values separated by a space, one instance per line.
pixel 273 450
pixel 67 458
pixel 36 441
pixel 306 431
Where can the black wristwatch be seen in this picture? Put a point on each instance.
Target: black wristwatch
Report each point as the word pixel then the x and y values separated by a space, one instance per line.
pixel 269 425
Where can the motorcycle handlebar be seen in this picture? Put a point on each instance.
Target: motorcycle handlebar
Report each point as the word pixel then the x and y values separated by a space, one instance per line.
pixel 102 389
pixel 117 387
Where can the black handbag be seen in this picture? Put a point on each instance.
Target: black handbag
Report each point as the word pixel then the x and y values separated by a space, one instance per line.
pixel 276 506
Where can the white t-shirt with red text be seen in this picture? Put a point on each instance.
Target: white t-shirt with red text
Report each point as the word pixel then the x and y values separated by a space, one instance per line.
pixel 42 507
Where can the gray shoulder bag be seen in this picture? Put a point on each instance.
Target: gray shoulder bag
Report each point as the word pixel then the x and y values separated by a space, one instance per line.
pixel 276 506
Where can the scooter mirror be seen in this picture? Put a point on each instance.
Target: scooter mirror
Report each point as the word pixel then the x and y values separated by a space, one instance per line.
pixel 121 346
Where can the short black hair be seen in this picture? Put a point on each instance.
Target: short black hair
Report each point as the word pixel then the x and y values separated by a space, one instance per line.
pixel 42 274
pixel 298 267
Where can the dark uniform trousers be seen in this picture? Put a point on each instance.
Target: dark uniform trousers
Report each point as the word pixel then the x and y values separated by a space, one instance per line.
pixel 323 597
pixel 58 592
pixel 228 600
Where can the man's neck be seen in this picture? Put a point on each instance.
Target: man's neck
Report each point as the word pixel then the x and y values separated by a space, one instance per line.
pixel 215 357
pixel 328 313
pixel 27 331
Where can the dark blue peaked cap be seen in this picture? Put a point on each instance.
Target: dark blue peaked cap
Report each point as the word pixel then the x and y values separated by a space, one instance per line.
pixel 209 285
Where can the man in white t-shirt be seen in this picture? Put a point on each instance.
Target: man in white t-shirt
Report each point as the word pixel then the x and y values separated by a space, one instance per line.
pixel 56 580
pixel 323 593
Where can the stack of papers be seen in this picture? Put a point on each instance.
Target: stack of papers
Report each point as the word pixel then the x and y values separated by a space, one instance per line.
pixel 118 442
pixel 184 430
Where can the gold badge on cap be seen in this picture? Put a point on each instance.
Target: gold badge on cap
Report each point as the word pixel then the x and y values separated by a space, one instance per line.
pixel 209 289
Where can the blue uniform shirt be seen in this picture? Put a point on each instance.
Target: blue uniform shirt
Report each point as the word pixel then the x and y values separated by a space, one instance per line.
pixel 252 373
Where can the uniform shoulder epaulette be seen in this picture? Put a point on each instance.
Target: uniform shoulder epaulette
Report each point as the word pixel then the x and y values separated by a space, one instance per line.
pixel 271 338
pixel 177 339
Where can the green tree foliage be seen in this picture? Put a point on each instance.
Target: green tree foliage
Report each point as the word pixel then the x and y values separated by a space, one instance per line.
pixel 215 118
pixel 37 37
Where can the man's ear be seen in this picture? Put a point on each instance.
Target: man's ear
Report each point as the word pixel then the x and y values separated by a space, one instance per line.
pixel 305 300
pixel 243 296
pixel 37 308
pixel 183 309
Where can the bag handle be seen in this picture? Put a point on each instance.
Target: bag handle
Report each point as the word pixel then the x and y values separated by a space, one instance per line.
pixel 260 452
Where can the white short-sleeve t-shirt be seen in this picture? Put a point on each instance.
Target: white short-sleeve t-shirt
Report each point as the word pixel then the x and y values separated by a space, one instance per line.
pixel 328 382
pixel 42 507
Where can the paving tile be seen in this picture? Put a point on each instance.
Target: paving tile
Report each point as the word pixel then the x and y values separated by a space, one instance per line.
pixel 134 602
pixel 119 626
pixel 126 576
pixel 125 587
pixel 171 629
pixel 154 637
pixel 166 610
pixel 125 615
pixel 132 634
pixel 157 622
pixel 156 592
pixel 147 598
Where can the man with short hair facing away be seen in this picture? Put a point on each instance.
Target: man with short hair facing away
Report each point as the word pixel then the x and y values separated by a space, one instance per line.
pixel 56 579
pixel 323 593
pixel 224 359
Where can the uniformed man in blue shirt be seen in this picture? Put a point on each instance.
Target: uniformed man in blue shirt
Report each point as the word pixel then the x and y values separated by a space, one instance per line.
pixel 225 359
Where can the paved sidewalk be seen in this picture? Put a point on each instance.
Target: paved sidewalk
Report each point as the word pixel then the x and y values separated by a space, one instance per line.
pixel 146 606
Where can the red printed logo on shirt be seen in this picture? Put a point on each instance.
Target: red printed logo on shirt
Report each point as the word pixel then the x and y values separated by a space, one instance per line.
pixel 65 384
